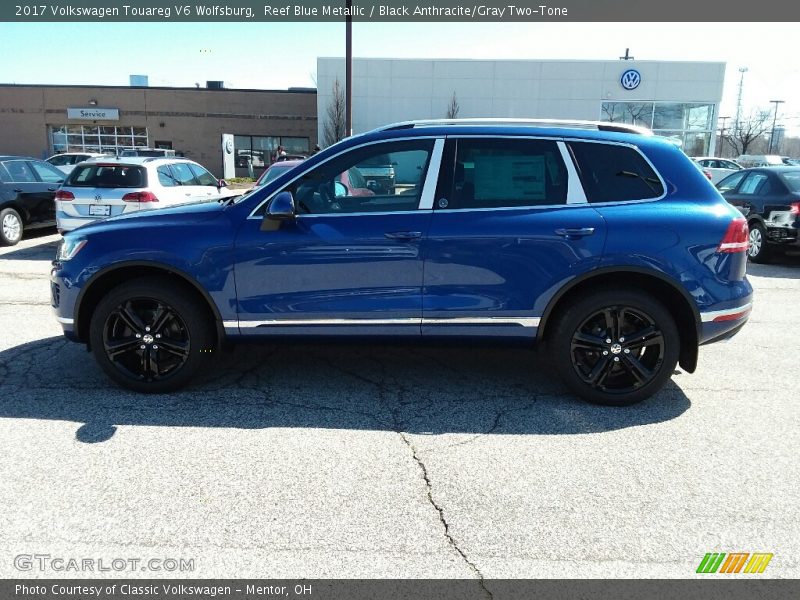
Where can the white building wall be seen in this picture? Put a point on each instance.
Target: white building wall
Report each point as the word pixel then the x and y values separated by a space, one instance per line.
pixel 391 90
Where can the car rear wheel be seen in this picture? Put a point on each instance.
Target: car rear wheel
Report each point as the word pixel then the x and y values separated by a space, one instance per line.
pixel 150 336
pixel 758 249
pixel 11 227
pixel 616 347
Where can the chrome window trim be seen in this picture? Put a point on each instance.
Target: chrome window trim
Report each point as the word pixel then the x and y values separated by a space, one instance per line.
pixel 575 192
pixel 253 215
pixel 416 211
pixel 432 176
pixel 522 321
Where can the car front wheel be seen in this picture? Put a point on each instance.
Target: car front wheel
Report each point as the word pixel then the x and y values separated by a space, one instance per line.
pixel 11 227
pixel 150 335
pixel 615 347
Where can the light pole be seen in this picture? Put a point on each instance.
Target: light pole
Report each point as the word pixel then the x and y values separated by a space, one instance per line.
pixel 722 135
pixel 348 101
pixel 774 119
pixel 742 71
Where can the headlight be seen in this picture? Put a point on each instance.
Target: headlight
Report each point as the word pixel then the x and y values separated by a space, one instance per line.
pixel 69 247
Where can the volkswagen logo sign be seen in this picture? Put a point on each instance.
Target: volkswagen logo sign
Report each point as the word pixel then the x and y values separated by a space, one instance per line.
pixel 630 79
pixel 97 197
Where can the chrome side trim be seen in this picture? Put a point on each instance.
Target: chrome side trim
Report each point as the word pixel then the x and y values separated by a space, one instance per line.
pixel 708 317
pixel 432 177
pixel 65 321
pixel 304 322
pixel 523 321
pixel 575 192
pixel 365 214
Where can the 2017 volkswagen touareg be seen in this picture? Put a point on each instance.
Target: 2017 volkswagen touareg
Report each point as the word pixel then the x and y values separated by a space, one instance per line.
pixel 600 240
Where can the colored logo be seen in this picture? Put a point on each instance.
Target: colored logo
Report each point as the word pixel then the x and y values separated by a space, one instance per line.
pixel 630 79
pixel 736 562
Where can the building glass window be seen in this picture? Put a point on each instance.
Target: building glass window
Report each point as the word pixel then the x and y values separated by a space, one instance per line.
pixel 688 125
pixel 261 149
pixel 109 139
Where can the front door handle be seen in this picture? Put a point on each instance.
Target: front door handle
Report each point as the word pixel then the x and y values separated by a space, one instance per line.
pixel 575 233
pixel 403 236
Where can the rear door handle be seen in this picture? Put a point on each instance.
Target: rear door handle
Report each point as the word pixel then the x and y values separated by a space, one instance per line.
pixel 403 235
pixel 574 233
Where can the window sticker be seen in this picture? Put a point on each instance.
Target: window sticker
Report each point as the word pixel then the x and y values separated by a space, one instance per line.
pixel 507 177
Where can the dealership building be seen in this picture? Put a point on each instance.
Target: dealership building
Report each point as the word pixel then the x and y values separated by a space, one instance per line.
pixel 678 100
pixel 40 120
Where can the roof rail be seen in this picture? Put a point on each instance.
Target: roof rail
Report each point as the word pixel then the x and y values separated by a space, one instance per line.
pixel 488 122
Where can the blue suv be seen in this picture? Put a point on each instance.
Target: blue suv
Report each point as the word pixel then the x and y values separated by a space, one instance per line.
pixel 599 240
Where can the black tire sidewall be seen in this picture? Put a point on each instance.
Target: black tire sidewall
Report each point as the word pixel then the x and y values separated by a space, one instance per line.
pixel 4 241
pixel 201 331
pixel 573 316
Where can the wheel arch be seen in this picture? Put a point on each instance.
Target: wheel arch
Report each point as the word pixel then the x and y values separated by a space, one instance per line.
pixel 103 281
pixel 677 299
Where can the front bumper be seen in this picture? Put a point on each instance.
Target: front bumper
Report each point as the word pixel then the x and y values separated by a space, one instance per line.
pixel 63 298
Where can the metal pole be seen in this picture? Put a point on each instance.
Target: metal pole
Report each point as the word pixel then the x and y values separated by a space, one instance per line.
pixel 722 135
pixel 742 70
pixel 774 120
pixel 348 102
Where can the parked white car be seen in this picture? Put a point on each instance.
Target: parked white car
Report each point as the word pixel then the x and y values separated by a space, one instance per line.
pixel 102 188
pixel 66 161
pixel 719 168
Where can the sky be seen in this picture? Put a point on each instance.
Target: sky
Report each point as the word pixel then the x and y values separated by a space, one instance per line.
pixel 281 55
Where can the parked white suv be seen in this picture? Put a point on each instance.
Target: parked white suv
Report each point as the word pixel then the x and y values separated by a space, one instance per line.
pixel 66 161
pixel 107 187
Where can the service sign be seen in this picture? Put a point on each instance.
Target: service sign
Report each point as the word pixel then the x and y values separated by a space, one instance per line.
pixel 93 114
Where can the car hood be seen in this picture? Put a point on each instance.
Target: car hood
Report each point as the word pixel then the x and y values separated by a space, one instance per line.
pixel 182 214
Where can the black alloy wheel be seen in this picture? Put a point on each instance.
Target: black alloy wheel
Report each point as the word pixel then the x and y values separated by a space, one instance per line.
pixel 616 347
pixel 151 335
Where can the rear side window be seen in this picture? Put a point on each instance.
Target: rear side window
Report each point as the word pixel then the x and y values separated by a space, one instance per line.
pixel 48 173
pixel 108 176
pixel 507 173
pixel 614 173
pixel 792 180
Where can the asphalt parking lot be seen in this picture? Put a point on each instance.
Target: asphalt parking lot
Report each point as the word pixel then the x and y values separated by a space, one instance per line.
pixel 309 461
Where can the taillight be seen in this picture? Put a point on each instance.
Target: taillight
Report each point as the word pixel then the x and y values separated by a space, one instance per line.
pixel 795 208
pixel 64 195
pixel 140 197
pixel 736 237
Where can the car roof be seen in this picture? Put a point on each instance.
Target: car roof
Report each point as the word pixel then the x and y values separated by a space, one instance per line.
pixel 287 163
pixel 136 160
pixel 10 157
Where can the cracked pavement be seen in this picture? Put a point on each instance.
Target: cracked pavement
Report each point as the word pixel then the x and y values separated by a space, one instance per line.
pixel 315 461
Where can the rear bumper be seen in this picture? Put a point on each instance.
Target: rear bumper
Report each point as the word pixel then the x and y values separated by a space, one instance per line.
pixel 723 323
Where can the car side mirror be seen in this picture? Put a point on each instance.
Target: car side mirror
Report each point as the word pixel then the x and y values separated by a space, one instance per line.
pixel 221 183
pixel 280 209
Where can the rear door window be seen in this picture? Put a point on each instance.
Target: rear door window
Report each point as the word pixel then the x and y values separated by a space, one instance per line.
pixel 615 173
pixel 108 176
pixel 507 173
pixel 19 171
pixel 756 184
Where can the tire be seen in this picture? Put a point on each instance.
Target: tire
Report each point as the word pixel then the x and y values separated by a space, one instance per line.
pixel 615 347
pixel 758 250
pixel 11 227
pixel 150 335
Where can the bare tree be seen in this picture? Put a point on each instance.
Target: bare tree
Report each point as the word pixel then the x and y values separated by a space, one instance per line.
pixel 333 129
pixel 750 130
pixel 453 107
